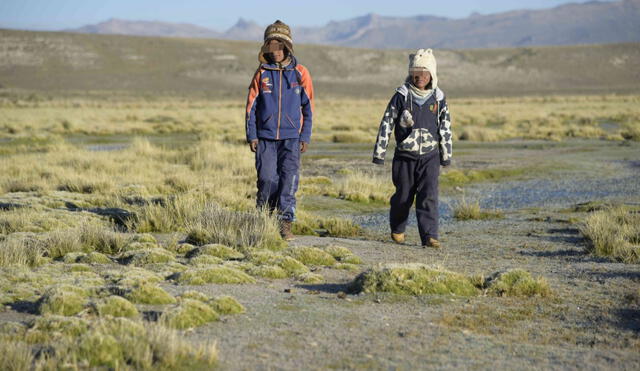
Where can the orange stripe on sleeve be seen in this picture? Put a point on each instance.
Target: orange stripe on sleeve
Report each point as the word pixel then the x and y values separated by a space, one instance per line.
pixel 307 84
pixel 254 90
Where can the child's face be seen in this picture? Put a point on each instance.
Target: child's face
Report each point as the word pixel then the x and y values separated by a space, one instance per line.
pixel 276 49
pixel 420 78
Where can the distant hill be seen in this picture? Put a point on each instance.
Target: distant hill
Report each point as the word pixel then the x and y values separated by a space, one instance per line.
pixel 593 22
pixel 115 26
pixel 72 63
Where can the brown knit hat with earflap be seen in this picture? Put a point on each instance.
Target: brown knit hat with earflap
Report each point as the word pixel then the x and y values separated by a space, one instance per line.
pixel 279 31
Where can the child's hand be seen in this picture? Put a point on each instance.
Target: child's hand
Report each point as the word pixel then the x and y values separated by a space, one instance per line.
pixel 303 147
pixel 253 145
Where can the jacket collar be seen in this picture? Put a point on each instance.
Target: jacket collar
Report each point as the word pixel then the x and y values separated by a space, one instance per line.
pixel 276 66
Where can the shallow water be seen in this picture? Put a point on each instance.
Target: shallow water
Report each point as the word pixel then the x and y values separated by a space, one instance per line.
pixel 558 192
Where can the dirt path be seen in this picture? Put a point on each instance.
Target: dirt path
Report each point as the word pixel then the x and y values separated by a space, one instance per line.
pixel 587 323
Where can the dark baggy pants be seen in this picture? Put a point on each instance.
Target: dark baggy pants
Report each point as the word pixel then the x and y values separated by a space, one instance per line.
pixel 278 164
pixel 416 179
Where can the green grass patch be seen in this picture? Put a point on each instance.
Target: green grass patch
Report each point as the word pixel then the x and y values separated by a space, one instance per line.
pixel 189 314
pixel 311 256
pixel 413 279
pixel 614 233
pixel 202 260
pixel 520 283
pixel 62 300
pixel 106 343
pixel 457 178
pixel 116 306
pixel 242 230
pixel 292 266
pixel 227 305
pixel 470 210
pixel 146 256
pixel 216 250
pixel 219 274
pixel 149 294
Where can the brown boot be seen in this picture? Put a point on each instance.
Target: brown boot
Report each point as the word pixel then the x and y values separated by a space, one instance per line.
pixel 285 231
pixel 397 237
pixel 432 243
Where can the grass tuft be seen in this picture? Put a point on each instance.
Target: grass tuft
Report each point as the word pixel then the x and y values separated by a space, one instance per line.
pixel 413 279
pixel 311 278
pixel 254 229
pixel 146 256
pixel 342 254
pixel 268 271
pixel 292 266
pixel 202 260
pixel 16 251
pixel 216 250
pixel 311 256
pixel 614 233
pixel 62 300
pixel 16 355
pixel 470 210
pixel 219 274
pixel 518 282
pixel 116 306
pixel 90 258
pixel 149 294
pixel 227 305
pixel 189 314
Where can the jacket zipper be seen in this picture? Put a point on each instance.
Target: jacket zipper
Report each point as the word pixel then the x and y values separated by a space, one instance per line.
pixel 279 106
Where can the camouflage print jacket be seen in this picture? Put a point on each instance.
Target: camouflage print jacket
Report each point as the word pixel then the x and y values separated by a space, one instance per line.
pixel 418 130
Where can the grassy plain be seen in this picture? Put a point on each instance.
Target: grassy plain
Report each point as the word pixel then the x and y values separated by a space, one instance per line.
pixel 108 204
pixel 129 237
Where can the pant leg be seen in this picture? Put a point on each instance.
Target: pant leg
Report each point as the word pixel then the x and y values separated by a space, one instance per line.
pixel 288 172
pixel 267 169
pixel 427 173
pixel 402 173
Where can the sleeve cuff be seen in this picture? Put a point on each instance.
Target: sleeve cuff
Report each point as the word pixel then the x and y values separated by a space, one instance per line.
pixel 378 161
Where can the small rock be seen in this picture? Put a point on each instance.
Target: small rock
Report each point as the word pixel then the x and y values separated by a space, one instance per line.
pixel 288 291
pixel 342 295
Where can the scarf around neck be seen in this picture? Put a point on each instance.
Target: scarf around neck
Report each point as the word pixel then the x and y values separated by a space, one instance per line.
pixel 419 93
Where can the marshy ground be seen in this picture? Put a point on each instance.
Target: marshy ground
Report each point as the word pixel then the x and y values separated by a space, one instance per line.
pixel 139 219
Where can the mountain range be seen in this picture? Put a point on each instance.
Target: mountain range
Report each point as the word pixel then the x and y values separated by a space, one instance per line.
pixel 594 22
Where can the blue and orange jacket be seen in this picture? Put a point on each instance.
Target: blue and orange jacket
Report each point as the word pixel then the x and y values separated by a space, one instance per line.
pixel 280 103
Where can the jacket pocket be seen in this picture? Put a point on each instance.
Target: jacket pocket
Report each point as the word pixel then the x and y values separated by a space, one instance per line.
pixel 291 122
pixel 265 121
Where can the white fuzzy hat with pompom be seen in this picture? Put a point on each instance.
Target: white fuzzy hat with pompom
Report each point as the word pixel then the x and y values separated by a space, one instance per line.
pixel 424 59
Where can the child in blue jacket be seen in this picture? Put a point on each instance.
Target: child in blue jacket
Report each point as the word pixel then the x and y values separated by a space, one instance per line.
pixel 418 116
pixel 278 123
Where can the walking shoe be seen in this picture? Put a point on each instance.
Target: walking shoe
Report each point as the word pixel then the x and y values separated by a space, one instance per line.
pixel 285 231
pixel 397 237
pixel 432 243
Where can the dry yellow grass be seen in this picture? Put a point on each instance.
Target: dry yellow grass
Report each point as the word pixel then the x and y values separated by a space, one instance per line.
pixel 613 117
pixel 614 233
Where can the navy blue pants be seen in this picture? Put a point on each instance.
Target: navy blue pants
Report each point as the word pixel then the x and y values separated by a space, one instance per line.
pixel 278 164
pixel 416 179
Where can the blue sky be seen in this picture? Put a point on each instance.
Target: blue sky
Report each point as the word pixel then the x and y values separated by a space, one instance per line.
pixel 220 15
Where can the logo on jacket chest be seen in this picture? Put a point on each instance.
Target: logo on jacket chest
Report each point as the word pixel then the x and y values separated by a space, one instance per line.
pixel 433 108
pixel 266 85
